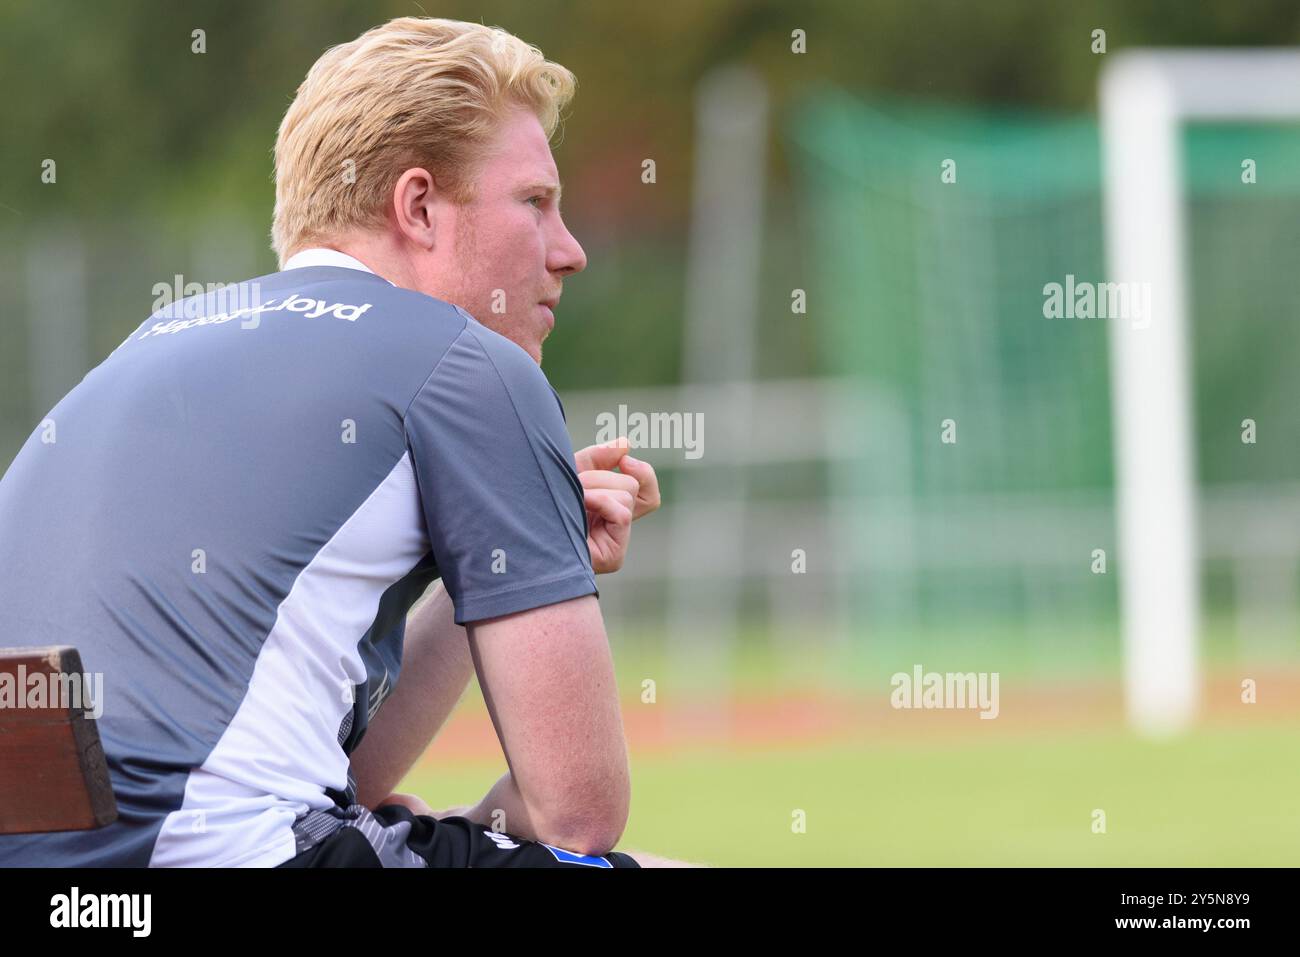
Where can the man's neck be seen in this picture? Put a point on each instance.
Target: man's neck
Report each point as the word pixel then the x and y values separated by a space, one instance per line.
pixel 378 256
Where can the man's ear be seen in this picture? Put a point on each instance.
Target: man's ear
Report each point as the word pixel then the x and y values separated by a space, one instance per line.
pixel 415 208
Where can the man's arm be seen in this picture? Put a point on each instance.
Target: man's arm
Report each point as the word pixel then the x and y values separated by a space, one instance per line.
pixel 436 668
pixel 436 661
pixel 565 744
pixel 548 680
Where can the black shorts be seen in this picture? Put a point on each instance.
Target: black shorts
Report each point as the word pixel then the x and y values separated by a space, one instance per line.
pixel 394 836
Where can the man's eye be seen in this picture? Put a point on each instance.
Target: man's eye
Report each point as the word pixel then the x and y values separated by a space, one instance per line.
pixel 531 198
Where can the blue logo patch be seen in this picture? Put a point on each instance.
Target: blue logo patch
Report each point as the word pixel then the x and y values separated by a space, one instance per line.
pixel 568 857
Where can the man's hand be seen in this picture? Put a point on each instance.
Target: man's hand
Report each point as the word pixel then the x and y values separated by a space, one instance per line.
pixel 417 805
pixel 614 499
pixel 414 803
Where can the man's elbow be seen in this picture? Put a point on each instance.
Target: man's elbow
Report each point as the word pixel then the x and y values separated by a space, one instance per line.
pixel 588 827
pixel 589 837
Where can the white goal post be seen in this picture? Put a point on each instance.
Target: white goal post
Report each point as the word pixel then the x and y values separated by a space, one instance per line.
pixel 1145 96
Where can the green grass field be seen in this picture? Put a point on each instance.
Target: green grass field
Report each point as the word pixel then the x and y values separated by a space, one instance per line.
pixel 1223 797
pixel 1020 790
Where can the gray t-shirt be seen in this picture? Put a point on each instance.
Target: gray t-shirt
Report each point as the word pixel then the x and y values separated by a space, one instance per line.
pixel 230 517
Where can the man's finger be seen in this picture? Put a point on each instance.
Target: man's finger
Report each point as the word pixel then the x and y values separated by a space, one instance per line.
pixel 614 506
pixel 647 497
pixel 604 456
pixel 601 478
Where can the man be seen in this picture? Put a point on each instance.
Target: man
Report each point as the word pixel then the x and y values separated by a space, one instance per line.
pixel 231 516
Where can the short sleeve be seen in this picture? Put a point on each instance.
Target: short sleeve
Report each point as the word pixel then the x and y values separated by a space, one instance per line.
pixel 497 482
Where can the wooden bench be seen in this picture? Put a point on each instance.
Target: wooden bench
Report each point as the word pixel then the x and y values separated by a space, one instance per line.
pixel 53 776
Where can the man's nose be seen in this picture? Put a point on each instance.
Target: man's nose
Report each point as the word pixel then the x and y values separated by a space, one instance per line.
pixel 566 255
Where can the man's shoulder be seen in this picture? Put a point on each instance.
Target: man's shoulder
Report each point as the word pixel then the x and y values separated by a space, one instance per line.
pixel 488 362
pixel 332 283
pixel 466 348
pixel 359 300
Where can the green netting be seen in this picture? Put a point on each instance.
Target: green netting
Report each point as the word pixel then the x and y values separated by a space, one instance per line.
pixel 932 293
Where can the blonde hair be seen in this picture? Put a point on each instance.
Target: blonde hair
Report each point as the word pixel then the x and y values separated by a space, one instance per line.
pixel 414 92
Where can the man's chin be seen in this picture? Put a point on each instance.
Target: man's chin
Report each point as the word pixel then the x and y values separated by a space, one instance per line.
pixel 535 349
pixel 532 346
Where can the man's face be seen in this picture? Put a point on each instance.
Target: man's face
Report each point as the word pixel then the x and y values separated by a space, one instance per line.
pixel 509 250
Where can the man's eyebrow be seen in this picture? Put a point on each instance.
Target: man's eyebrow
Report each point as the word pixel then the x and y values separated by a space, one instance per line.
pixel 551 189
